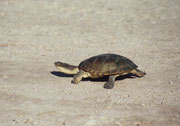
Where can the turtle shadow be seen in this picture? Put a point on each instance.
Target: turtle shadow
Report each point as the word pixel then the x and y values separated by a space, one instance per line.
pixel 102 79
pixel 105 78
pixel 60 74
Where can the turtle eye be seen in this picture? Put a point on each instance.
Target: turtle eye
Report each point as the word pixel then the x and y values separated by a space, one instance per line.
pixel 57 63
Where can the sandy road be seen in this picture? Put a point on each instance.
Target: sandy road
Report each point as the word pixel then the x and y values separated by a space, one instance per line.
pixel 35 34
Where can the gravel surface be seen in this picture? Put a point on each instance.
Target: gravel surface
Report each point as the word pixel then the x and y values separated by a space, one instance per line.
pixel 36 33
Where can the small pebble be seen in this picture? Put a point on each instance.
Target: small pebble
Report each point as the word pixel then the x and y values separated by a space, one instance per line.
pixel 64 123
pixel 176 116
pixel 2 14
pixel 5 76
pixel 117 123
pixel 91 122
pixel 137 123
pixel 170 82
pixel 28 121
pixel 171 91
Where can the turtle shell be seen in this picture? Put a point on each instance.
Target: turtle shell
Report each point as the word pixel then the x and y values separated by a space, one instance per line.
pixel 107 64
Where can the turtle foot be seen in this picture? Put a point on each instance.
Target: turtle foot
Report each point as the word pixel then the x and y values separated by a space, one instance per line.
pixel 108 85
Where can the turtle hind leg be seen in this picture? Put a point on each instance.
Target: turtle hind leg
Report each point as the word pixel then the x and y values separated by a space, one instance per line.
pixel 78 77
pixel 138 72
pixel 110 83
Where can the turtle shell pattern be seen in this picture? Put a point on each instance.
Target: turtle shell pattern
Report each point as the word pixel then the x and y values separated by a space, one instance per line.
pixel 107 64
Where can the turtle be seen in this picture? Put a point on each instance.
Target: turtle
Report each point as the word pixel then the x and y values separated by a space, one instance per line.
pixel 112 65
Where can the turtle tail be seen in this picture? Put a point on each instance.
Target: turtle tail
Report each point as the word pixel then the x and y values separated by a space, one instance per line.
pixel 66 68
pixel 138 72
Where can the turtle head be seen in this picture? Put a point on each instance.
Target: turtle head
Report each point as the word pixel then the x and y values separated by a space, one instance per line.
pixel 58 64
pixel 66 68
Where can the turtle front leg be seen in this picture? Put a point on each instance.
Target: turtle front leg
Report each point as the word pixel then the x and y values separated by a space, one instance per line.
pixel 78 77
pixel 110 83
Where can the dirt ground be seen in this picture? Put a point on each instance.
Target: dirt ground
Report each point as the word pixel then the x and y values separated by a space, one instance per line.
pixel 36 33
